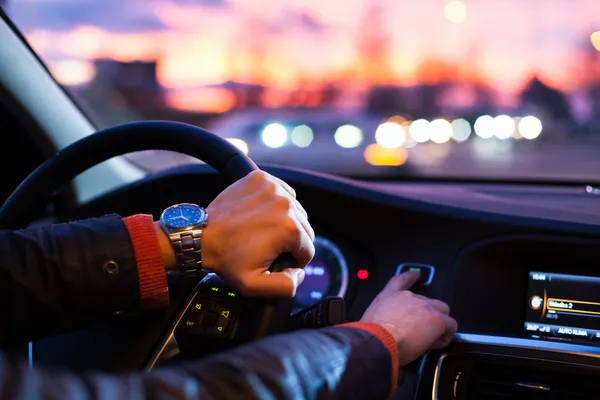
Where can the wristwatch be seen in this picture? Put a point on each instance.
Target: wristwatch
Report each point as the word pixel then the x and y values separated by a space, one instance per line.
pixel 184 224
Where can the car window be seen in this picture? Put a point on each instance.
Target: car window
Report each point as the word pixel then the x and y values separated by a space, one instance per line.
pixel 486 89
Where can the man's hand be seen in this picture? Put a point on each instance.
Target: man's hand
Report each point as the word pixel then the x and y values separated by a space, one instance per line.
pixel 250 224
pixel 416 322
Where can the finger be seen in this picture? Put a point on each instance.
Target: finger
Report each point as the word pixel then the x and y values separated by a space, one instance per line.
pixel 450 331
pixel 438 305
pixel 404 281
pixel 275 284
pixel 284 184
pixel 305 224
pixel 291 191
pixel 302 248
pixel 302 210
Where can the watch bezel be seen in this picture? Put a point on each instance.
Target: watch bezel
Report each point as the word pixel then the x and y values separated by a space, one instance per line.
pixel 200 222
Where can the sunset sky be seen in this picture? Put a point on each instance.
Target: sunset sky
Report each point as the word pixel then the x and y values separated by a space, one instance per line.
pixel 198 42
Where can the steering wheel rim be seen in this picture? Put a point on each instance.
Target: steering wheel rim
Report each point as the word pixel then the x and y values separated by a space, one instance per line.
pixel 43 183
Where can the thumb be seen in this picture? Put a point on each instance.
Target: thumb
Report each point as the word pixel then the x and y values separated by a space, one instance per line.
pixel 275 284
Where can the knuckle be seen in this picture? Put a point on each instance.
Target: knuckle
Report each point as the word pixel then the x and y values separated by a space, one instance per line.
pixel 290 228
pixel 283 202
pixel 257 176
pixel 269 190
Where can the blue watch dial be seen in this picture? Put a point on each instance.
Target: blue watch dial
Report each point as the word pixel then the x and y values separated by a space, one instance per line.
pixel 183 215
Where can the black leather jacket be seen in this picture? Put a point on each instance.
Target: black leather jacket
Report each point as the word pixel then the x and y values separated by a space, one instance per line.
pixel 54 279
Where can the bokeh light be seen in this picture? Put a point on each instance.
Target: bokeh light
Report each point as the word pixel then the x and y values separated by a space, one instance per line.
pixel 378 155
pixel 455 11
pixel 484 127
pixel 239 143
pixel 348 136
pixel 461 130
pixel 419 130
pixel 504 126
pixel 595 38
pixel 530 127
pixel 390 135
pixel 440 131
pixel 399 119
pixel 302 136
pixel 274 135
pixel 73 72
pixel 516 133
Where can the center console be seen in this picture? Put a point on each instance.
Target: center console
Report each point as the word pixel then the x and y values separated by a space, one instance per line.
pixel 528 309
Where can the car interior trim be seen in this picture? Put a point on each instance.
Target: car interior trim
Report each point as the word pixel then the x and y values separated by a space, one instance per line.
pixel 437 376
pixel 530 344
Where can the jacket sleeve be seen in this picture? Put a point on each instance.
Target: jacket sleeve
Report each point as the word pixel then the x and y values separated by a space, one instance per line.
pixel 59 277
pixel 346 362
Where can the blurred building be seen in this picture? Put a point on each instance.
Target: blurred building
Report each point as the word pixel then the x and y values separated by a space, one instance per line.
pixel 121 92
pixel 134 83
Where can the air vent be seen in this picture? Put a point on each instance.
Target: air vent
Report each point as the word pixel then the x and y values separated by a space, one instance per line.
pixel 498 382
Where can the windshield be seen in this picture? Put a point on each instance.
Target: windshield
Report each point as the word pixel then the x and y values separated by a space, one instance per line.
pixel 499 89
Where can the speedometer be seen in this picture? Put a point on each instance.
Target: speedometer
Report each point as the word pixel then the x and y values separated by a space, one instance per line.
pixel 326 275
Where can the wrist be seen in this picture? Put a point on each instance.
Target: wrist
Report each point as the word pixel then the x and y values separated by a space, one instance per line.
pixel 208 257
pixel 166 249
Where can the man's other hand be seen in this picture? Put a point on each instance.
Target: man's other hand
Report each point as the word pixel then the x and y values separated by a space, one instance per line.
pixel 250 224
pixel 416 322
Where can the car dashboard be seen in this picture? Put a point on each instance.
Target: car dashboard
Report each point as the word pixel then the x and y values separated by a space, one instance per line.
pixel 518 265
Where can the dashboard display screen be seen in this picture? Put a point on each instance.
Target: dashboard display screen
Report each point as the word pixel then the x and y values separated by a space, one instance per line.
pixel 563 307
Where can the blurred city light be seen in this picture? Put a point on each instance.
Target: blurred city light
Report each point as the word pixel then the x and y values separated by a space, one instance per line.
pixel 484 127
pixel 399 119
pixel 504 126
pixel 461 130
pixel 348 136
pixel 302 136
pixel 73 72
pixel 239 143
pixel 530 127
pixel 409 143
pixel 274 135
pixel 419 130
pixel 516 133
pixel 378 155
pixel 595 38
pixel 390 135
pixel 440 131
pixel 455 11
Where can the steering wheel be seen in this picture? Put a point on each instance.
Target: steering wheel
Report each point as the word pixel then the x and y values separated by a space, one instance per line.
pixel 214 316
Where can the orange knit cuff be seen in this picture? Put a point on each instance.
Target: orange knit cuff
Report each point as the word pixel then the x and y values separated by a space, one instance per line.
pixel 386 338
pixel 154 290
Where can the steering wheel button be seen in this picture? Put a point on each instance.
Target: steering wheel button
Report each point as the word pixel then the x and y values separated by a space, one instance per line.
pixel 224 317
pixel 202 304
pixel 209 319
pixel 190 323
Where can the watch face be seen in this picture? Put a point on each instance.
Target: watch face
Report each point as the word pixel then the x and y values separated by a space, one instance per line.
pixel 183 216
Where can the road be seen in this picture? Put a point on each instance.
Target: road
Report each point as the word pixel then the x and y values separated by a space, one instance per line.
pixel 476 159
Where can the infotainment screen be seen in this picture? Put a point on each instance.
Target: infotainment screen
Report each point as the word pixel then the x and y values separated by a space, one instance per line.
pixel 563 307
